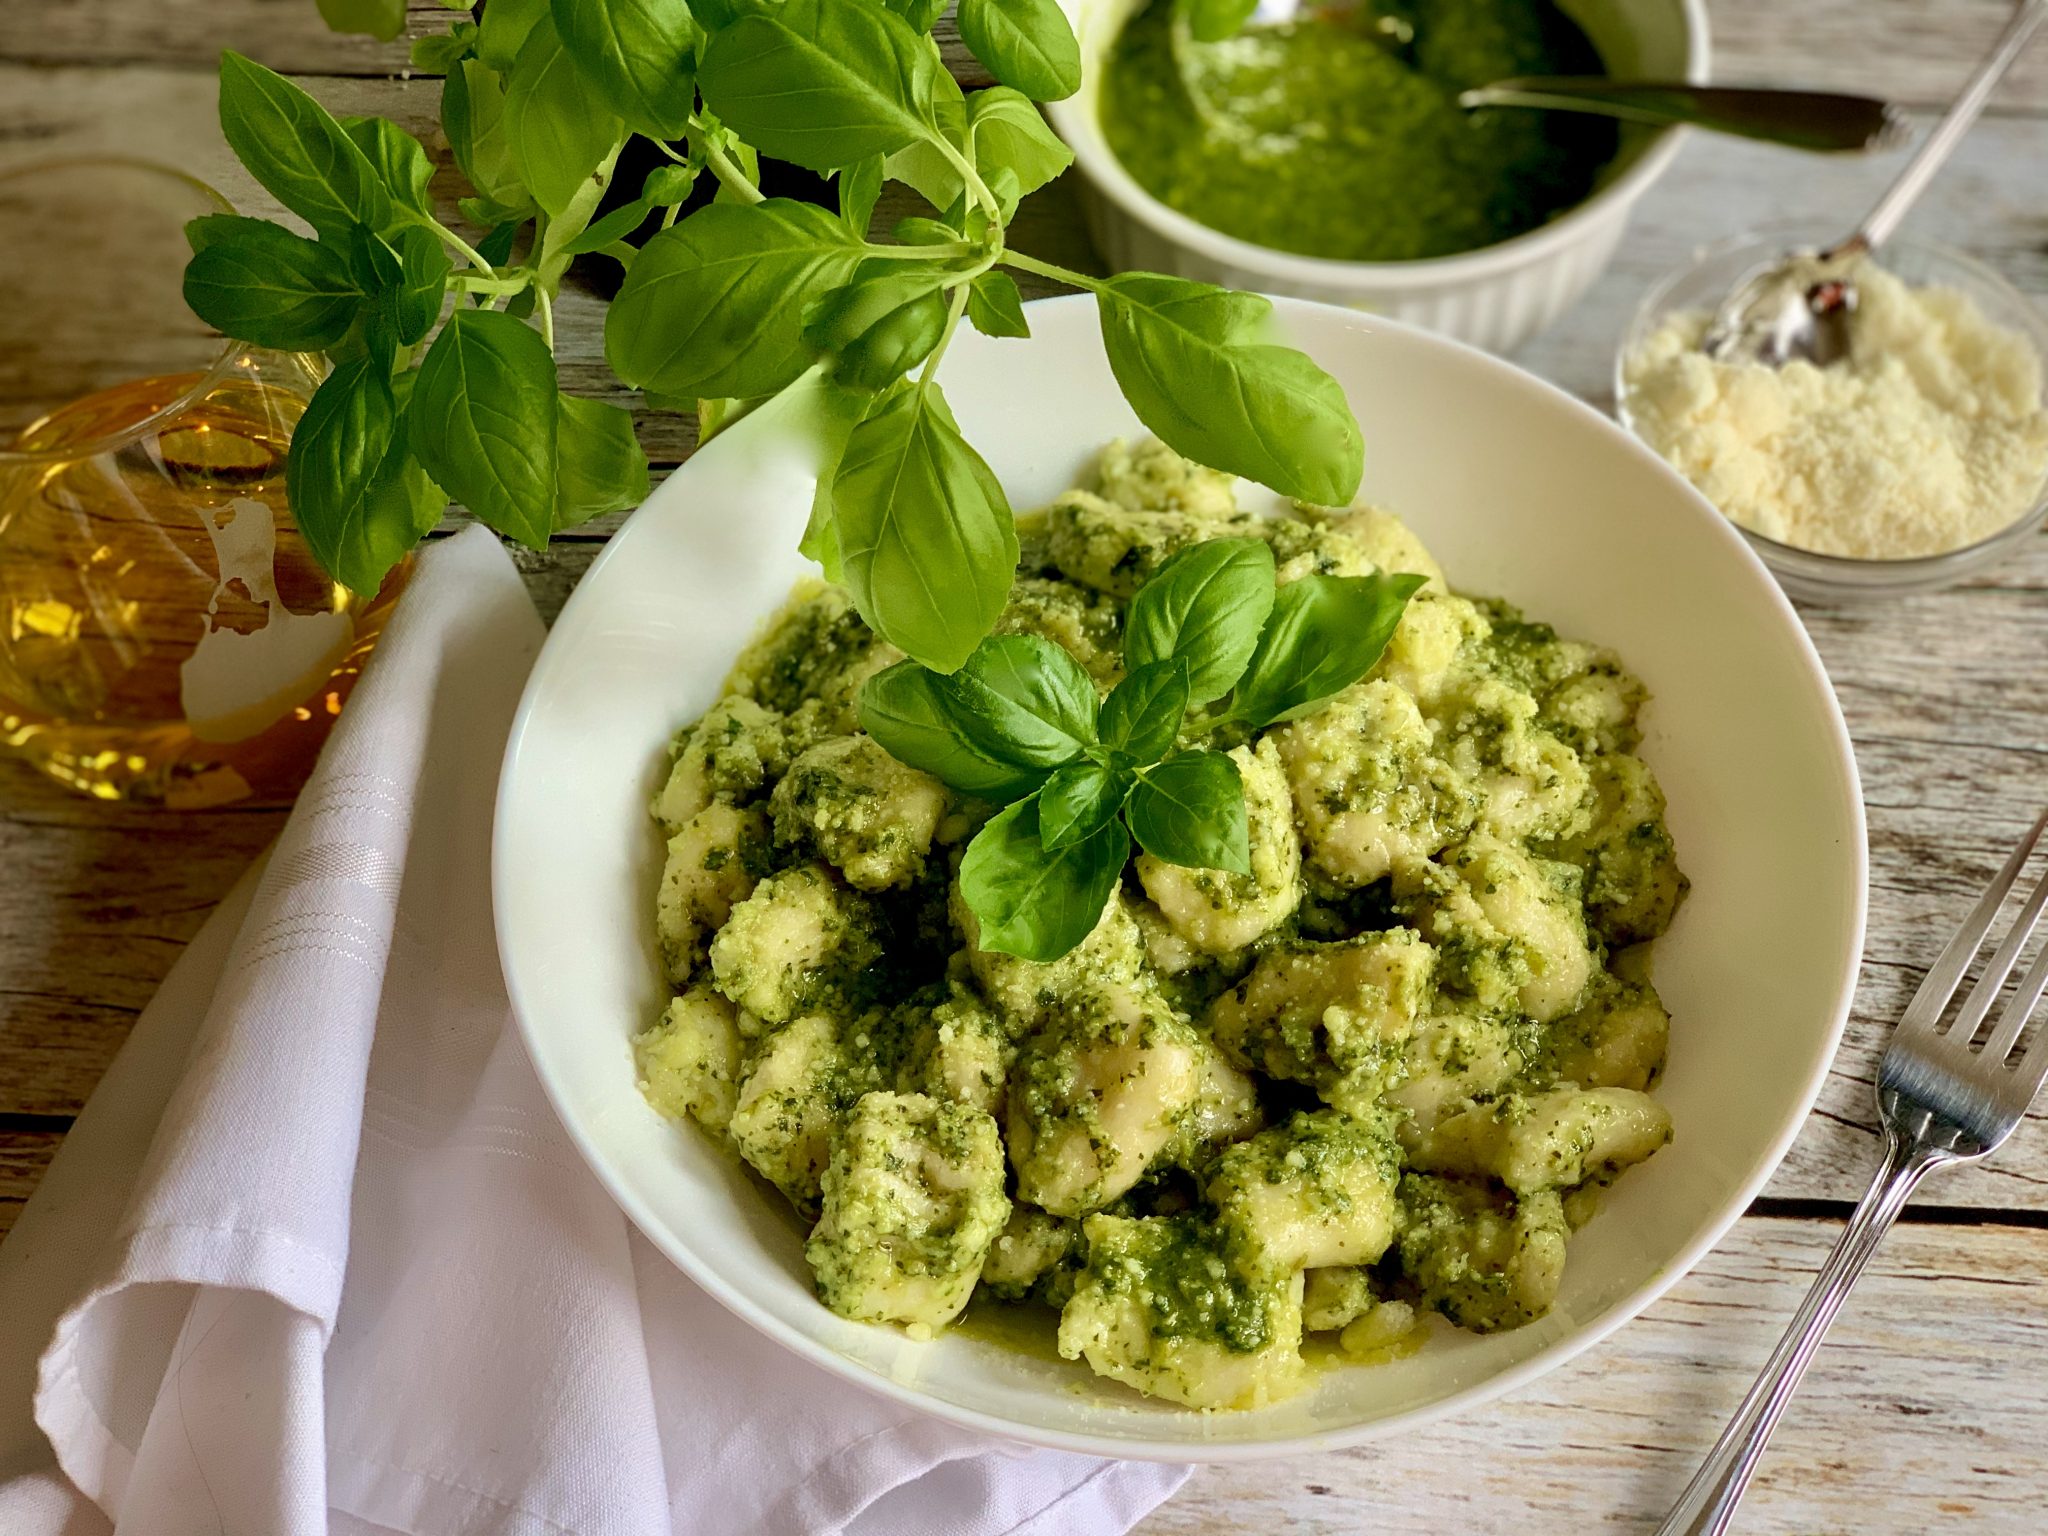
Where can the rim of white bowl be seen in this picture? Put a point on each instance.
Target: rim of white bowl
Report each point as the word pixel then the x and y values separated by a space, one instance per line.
pixel 1479 1393
pixel 1076 124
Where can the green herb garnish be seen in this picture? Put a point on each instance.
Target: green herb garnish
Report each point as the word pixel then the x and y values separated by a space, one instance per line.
pixel 1019 724
pixel 722 306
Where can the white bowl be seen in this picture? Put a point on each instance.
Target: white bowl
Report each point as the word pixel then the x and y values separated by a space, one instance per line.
pixel 1495 297
pixel 1521 491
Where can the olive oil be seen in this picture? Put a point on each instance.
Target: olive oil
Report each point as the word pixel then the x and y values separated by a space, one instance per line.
pixel 165 635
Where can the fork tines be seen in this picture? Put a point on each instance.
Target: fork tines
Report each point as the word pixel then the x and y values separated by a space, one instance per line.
pixel 1938 988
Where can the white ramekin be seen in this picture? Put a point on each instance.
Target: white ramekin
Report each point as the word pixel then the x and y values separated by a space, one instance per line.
pixel 1495 297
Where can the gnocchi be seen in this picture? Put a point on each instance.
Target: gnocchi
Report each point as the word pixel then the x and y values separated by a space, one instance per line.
pixel 1377 1079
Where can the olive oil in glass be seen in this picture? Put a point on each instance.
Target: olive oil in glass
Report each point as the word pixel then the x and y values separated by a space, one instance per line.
pixel 165 635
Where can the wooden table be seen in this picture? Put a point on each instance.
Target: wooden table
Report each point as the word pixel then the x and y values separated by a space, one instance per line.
pixel 1944 695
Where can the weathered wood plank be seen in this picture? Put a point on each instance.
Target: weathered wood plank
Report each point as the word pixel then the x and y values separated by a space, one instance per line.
pixel 99 902
pixel 23 1157
pixel 1909 50
pixel 1926 1410
pixel 286 35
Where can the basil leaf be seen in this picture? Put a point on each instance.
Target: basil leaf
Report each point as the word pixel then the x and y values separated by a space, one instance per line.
pixel 423 283
pixel 665 186
pixel 399 160
pixel 558 125
pixel 860 184
pixel 1033 902
pixel 1078 801
pixel 902 707
pixel 598 463
pixel 883 323
pixel 482 421
pixel 1190 810
pixel 1325 633
pixel 826 411
pixel 1142 715
pixel 381 19
pixel 919 231
pixel 822 83
pixel 994 307
pixel 406 277
pixel 640 53
pixel 1211 21
pixel 444 54
pixel 1026 44
pixel 1206 605
pixel 212 228
pixel 712 306
pixel 260 283
pixel 927 543
pixel 611 230
pixel 295 150
pixel 921 14
pixel 1010 134
pixel 400 507
pixel 496 247
pixel 473 117
pixel 338 446
pixel 1021 699
pixel 893 345
pixel 1194 362
pixel 920 166
pixel 878 289
pixel 375 266
pixel 503 31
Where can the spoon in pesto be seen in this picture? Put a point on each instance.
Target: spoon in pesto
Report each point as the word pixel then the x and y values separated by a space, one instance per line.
pixel 1814 120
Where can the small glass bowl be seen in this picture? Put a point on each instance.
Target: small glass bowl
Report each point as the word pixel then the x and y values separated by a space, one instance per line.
pixel 1708 279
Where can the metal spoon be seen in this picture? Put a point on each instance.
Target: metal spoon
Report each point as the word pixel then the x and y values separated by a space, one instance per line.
pixel 1819 120
pixel 1798 307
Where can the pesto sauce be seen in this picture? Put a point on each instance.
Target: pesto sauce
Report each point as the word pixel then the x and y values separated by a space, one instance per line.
pixel 1318 138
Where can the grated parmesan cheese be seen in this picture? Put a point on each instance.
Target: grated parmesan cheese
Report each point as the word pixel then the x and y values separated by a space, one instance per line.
pixel 1929 436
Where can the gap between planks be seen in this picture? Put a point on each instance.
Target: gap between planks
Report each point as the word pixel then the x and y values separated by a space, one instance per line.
pixel 1914 53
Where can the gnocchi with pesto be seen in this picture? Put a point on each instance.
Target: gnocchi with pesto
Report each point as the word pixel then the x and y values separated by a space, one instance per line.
pixel 1373 1077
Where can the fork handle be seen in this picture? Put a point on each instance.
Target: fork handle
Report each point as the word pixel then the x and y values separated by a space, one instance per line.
pixel 1709 1500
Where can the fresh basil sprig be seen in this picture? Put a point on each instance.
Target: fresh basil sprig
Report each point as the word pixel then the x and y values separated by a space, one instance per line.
pixel 742 297
pixel 1019 723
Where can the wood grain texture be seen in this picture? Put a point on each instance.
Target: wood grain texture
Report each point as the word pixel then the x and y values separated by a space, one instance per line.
pixel 1917 1416
pixel 23 1157
pixel 98 903
pixel 1908 50
pixel 1888 1436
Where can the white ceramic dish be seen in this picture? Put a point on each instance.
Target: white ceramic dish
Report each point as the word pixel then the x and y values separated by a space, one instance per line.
pixel 1495 297
pixel 1521 491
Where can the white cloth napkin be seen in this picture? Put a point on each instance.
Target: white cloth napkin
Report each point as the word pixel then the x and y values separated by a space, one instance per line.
pixel 318 1257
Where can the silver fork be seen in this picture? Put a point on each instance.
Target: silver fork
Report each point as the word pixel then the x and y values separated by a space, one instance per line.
pixel 1942 1100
